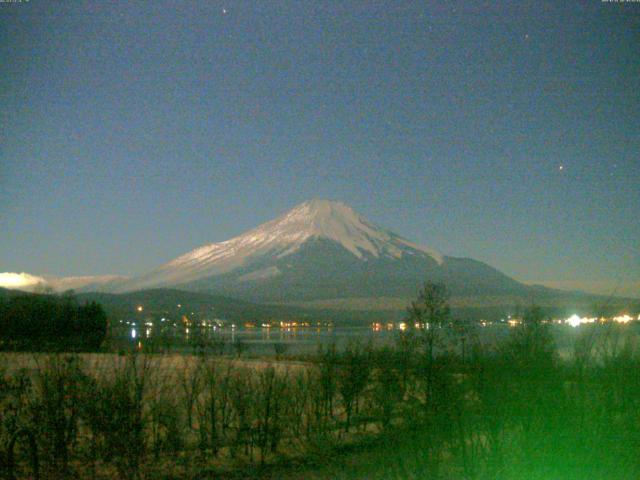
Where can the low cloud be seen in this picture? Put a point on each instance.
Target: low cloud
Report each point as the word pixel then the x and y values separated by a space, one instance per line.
pixel 20 281
pixel 27 282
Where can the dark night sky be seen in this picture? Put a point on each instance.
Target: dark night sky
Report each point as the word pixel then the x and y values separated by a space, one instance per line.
pixel 508 132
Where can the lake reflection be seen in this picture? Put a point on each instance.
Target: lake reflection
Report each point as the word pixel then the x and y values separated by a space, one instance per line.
pixel 302 340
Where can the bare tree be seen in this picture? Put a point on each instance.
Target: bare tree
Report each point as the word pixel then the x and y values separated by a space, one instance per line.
pixel 352 378
pixel 56 407
pixel 190 381
pixel 430 313
pixel 268 410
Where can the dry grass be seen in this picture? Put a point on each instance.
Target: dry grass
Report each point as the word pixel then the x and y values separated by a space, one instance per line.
pixel 13 362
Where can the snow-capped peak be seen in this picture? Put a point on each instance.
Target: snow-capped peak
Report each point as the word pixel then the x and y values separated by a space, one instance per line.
pixel 336 221
pixel 324 219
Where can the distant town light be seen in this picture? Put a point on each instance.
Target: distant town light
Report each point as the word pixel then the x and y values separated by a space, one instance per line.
pixel 623 318
pixel 575 320
pixel 139 308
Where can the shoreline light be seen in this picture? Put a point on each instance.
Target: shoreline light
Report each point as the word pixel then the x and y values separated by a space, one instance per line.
pixel 575 320
pixel 623 318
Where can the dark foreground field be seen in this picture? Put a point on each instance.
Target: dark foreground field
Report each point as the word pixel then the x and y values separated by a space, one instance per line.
pixel 514 410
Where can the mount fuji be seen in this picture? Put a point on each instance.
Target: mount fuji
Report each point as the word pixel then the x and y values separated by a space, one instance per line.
pixel 319 251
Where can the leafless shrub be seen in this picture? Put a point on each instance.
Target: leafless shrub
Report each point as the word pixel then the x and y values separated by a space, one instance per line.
pixel 354 367
pixel 116 413
pixel 55 408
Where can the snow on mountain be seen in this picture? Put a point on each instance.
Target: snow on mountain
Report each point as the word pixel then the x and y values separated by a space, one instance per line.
pixel 323 219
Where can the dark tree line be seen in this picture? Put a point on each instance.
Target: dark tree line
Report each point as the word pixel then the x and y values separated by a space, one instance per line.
pixel 51 323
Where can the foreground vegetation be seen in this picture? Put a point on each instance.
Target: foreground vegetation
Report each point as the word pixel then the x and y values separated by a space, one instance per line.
pixel 425 408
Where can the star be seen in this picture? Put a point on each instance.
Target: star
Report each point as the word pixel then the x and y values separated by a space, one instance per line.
pixel 224 11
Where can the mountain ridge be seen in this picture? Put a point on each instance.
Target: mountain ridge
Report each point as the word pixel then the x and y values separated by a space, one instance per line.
pixel 279 238
pixel 323 250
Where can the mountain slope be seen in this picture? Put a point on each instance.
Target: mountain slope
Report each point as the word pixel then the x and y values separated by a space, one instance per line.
pixel 322 269
pixel 322 250
pixel 278 239
pixel 175 303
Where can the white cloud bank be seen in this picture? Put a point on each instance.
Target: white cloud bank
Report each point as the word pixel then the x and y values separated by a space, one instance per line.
pixel 28 282
pixel 20 281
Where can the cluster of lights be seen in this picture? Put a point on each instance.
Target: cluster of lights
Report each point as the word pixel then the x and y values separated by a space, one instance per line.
pixel 295 324
pixel 575 320
pixel 402 326
pixel 624 318
pixel 377 326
